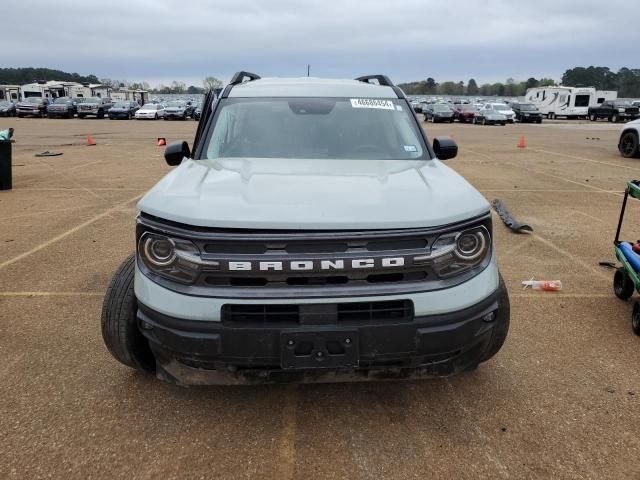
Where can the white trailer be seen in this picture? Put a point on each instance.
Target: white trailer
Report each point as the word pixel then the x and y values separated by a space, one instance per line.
pixel 10 92
pixel 568 102
pixel 605 95
pixel 51 90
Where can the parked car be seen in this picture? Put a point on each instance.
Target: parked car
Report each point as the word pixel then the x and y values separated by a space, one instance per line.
pixel 176 109
pixel 417 106
pixel 503 109
pixel 628 144
pixel 32 106
pixel 438 112
pixel 151 111
pixel 489 116
pixel 96 106
pixel 124 110
pixel 7 108
pixel 242 275
pixel 464 112
pixel 526 112
pixel 197 111
pixel 62 107
pixel 614 110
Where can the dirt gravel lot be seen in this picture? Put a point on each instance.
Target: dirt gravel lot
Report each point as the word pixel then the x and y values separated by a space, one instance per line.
pixel 561 400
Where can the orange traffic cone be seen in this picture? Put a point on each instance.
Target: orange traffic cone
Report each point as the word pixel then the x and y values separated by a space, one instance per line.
pixel 521 143
pixel 161 141
pixel 90 141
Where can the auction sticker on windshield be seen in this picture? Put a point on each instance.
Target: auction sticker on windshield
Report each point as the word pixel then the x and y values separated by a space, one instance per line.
pixel 372 103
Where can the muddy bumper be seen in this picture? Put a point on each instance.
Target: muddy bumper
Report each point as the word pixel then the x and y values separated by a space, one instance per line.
pixel 235 352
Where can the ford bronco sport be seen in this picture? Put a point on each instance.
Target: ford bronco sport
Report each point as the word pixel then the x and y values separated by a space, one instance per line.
pixel 312 234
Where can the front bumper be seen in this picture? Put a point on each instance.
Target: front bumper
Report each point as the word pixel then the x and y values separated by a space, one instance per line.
pixel 175 115
pixel 448 333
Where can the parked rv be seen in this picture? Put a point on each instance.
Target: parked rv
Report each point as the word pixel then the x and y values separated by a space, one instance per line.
pixel 568 102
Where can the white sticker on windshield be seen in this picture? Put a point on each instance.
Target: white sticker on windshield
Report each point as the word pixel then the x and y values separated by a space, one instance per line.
pixel 410 148
pixel 372 103
pixel 399 108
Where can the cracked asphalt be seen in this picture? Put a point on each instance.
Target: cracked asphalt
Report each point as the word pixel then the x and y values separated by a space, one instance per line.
pixel 560 400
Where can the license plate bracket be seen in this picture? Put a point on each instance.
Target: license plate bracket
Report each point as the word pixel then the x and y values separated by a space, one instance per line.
pixel 319 349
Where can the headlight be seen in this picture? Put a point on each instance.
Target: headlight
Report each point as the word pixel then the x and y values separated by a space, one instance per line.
pixel 173 258
pixel 457 252
pixel 621 110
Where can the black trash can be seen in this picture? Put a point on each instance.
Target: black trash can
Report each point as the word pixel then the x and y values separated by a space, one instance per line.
pixel 5 165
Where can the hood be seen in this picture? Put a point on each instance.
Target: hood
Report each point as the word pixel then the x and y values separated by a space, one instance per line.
pixel 313 194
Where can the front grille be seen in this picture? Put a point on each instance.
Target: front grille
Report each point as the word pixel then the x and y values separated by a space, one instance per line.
pixel 318 314
pixel 243 263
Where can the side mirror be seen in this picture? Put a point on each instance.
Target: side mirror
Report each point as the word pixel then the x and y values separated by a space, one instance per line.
pixel 445 148
pixel 175 152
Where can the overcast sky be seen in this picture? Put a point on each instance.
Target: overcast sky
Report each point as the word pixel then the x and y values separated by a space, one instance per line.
pixel 163 40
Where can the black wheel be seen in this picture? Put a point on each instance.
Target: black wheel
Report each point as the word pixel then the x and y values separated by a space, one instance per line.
pixel 635 318
pixel 81 115
pixel 433 119
pixel 623 286
pixel 155 117
pixel 119 328
pixel 614 118
pixel 593 117
pixel 100 114
pixel 502 320
pixel 628 145
pixel 539 121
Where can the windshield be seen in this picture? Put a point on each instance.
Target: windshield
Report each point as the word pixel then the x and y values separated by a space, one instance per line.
pixel 92 100
pixel 62 100
pixel 441 108
pixel 501 106
pixel 467 108
pixel 79 99
pixel 4 103
pixel 622 103
pixel 316 128
pixel 33 100
pixel 175 103
pixel 121 105
pixel 151 106
pixel 527 107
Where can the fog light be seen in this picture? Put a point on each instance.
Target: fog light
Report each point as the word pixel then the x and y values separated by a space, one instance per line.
pixel 489 317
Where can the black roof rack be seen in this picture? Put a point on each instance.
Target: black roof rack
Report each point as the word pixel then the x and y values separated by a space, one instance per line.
pixel 240 76
pixel 382 80
pixel 237 79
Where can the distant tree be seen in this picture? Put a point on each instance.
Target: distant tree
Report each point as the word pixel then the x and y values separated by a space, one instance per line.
pixel 485 90
pixel 193 90
pixel 432 86
pixel 511 89
pixel 531 83
pixel 472 87
pixel 498 89
pixel 211 83
pixel 448 88
pixel 547 82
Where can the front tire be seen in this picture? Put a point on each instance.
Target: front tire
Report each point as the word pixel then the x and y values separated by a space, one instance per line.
pixel 628 145
pixel 119 326
pixel 623 286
